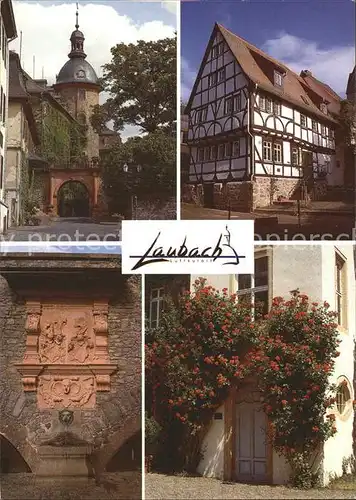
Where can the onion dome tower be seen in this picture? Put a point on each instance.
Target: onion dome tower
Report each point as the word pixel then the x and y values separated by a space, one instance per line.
pixel 79 88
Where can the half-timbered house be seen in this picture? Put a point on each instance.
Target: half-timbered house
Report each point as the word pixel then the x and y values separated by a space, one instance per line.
pixel 258 132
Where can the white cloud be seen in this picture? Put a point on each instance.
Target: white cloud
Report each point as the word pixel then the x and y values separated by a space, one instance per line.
pixel 330 65
pixel 46 29
pixel 171 5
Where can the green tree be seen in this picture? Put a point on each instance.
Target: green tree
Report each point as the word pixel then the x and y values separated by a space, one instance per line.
pixel 142 166
pixel 141 80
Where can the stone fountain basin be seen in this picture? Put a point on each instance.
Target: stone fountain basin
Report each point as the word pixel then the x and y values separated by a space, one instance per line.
pixel 64 456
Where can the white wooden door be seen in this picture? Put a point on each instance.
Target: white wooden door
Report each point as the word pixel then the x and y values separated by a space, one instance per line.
pixel 251 443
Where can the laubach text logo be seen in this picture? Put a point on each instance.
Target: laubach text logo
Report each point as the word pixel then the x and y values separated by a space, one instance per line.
pixel 175 247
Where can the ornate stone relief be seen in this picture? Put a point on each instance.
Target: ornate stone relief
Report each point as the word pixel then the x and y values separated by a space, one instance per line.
pixel 66 359
pixel 62 392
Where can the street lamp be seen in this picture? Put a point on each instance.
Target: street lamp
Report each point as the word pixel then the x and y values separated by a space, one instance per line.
pixel 131 170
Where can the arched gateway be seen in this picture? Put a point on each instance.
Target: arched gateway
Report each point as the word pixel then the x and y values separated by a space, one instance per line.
pixel 85 188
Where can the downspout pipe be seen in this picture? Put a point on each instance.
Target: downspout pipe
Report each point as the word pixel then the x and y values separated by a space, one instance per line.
pixel 249 129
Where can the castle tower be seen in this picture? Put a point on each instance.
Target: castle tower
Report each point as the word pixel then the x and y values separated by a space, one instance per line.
pixel 78 86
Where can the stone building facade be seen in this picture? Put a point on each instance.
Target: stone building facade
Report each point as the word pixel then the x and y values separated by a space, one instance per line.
pixel 70 365
pixel 7 34
pixel 22 138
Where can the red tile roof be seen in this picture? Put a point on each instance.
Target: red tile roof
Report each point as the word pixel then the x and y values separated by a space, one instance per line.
pixel 259 68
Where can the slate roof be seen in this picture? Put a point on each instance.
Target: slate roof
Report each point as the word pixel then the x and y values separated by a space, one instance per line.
pixel 18 91
pixel 17 88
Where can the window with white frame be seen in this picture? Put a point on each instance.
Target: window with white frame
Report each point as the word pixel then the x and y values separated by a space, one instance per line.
pixel 340 290
pixel 228 105
pixel 221 75
pixel 262 103
pixel 228 147
pixel 237 102
pixel 212 79
pixel 267 150
pixel 221 151
pixel 343 397
pixel 200 154
pixel 303 120
pixel 314 126
pixel 156 306
pixel 268 105
pixel 277 108
pixel 213 153
pixel 206 154
pixel 278 78
pixel 253 288
pixel 236 148
pixel 296 156
pixel 202 114
pixel 323 130
pixel 220 48
pixel 277 152
pixel 214 51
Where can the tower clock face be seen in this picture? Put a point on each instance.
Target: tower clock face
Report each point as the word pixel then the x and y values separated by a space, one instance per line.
pixel 80 73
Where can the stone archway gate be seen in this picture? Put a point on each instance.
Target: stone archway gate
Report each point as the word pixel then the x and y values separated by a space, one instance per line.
pixel 71 329
pixel 86 175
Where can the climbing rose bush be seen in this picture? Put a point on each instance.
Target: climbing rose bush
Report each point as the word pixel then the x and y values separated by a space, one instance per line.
pixel 297 348
pixel 210 343
pixel 198 353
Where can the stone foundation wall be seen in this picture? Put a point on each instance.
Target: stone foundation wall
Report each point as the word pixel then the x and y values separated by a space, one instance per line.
pixel 320 189
pixel 117 413
pixel 236 195
pixel 266 190
pixel 246 196
pixel 192 193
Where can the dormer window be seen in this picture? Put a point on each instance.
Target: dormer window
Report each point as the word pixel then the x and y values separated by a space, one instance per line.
pixel 217 50
pixel 324 108
pixel 278 79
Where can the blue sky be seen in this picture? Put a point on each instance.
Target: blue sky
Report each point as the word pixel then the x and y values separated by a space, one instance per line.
pixel 318 35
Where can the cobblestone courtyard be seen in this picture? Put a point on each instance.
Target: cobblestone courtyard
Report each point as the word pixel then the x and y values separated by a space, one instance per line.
pixel 160 486
pixel 111 486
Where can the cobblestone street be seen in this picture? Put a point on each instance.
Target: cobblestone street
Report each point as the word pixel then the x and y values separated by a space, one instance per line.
pixel 63 230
